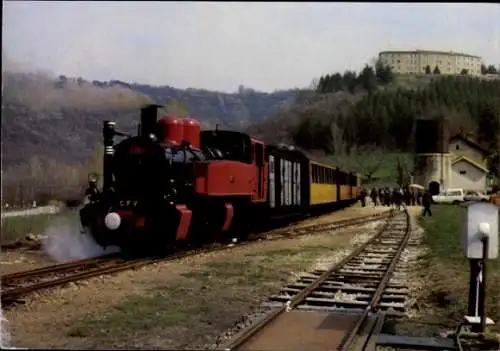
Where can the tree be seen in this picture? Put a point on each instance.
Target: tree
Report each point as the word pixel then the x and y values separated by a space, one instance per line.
pixel 312 134
pixel 177 108
pixel 427 70
pixel 383 73
pixel 489 123
pixel 365 160
pixel 335 82
pixel 491 69
pixel 94 163
pixel 436 70
pixel 400 172
pixel 484 70
pixel 367 78
pixel 464 72
pixel 350 80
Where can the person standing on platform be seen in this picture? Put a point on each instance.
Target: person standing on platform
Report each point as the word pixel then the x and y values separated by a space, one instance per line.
pixel 363 197
pixel 397 198
pixel 374 195
pixel 426 202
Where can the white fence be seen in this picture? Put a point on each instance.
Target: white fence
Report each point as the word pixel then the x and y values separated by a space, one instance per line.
pixel 32 211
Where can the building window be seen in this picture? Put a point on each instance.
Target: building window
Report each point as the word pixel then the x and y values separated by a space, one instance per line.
pixel 463 172
pixel 457 147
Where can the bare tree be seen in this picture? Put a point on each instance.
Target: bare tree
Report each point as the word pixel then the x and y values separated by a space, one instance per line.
pixel 365 160
pixel 177 108
pixel 337 137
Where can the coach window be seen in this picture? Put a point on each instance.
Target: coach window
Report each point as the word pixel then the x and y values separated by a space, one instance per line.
pixel 323 175
pixel 313 173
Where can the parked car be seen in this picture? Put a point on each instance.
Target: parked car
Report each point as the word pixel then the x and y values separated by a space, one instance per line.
pixel 477 196
pixel 450 196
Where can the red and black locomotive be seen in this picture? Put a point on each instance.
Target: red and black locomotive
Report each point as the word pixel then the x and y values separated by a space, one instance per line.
pixel 174 184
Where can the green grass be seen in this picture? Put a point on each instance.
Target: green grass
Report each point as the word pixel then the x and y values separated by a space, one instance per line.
pixel 198 304
pixel 447 267
pixel 443 233
pixel 184 310
pixel 16 228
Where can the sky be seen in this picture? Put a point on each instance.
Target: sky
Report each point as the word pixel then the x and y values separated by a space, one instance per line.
pixel 218 46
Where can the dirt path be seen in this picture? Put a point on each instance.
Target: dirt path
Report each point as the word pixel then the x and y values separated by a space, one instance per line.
pixel 176 304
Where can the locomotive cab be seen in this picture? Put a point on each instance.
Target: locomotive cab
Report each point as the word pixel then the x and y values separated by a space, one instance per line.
pixel 245 162
pixel 229 145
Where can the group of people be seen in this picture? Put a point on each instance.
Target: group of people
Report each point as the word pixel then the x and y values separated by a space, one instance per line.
pixel 397 197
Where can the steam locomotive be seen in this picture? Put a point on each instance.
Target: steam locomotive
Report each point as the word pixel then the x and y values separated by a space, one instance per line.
pixel 174 185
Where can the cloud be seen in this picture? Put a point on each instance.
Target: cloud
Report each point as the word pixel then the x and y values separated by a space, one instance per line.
pixel 266 46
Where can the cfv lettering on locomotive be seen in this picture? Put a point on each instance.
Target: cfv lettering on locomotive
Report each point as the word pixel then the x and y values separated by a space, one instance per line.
pixel 128 203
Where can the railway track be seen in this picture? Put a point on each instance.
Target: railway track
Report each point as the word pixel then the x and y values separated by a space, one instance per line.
pixel 339 308
pixel 15 285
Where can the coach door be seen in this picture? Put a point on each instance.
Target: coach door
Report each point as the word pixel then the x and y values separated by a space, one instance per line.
pixel 259 163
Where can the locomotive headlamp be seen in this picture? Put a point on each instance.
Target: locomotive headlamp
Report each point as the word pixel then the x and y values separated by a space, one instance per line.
pixel 112 221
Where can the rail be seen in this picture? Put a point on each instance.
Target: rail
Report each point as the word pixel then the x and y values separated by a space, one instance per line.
pixel 382 285
pixel 246 335
pixel 18 284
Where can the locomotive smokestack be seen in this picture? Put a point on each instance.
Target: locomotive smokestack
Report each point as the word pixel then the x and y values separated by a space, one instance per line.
pixel 149 117
pixel 108 133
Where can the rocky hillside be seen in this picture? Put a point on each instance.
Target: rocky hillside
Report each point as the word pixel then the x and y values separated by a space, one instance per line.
pixel 61 118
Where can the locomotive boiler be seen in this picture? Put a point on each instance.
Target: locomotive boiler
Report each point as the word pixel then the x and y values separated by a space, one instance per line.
pixel 173 185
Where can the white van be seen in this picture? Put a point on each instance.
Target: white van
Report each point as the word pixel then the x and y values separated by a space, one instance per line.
pixel 450 196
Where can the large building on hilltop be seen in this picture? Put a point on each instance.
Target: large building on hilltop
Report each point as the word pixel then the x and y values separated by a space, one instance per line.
pixel 415 62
